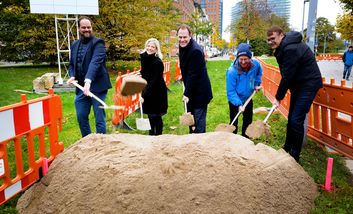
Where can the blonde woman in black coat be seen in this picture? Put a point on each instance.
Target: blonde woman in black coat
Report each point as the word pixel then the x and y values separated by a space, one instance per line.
pixel 154 96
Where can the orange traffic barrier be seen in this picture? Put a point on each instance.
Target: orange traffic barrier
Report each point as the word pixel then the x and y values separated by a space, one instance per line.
pixel 29 134
pixel 330 120
pixel 271 78
pixel 329 57
pixel 166 72
pixel 178 76
pixel 131 103
pixel 331 117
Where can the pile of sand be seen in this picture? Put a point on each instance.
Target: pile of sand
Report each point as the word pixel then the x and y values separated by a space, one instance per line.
pixel 215 172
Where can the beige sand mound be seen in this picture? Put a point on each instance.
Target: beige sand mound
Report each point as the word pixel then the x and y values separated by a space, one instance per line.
pixel 215 172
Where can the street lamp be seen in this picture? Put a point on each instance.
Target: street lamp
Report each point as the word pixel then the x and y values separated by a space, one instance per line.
pixel 305 1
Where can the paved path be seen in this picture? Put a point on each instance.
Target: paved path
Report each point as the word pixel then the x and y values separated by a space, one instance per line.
pixel 333 68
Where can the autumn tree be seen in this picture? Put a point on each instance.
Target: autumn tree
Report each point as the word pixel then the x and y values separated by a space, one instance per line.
pixel 347 5
pixel 199 25
pixel 253 24
pixel 126 25
pixel 25 36
pixel 325 33
pixel 344 26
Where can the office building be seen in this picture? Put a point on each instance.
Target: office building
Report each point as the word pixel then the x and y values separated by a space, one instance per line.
pixel 265 7
pixel 214 11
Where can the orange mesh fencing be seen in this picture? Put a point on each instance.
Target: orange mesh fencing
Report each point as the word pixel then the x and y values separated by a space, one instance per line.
pixel 330 118
pixel 29 135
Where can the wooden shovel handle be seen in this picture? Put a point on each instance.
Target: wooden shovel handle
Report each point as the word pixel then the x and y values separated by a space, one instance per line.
pixel 90 94
pixel 245 104
pixel 269 113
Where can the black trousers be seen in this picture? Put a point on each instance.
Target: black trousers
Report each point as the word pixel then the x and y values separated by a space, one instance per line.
pixel 156 124
pixel 247 117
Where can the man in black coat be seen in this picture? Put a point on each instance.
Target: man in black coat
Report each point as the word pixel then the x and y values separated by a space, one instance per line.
pixel 301 75
pixel 198 92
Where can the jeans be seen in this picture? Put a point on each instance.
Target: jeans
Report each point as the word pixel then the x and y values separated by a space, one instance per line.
pixel 347 71
pixel 83 105
pixel 200 120
pixel 247 117
pixel 300 103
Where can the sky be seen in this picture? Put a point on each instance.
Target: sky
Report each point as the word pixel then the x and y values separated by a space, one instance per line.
pixel 325 8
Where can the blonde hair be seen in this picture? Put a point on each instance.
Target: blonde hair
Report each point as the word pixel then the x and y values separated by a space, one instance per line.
pixel 156 43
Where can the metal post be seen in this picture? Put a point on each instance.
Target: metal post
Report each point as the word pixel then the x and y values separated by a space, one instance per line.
pixel 305 1
pixel 310 36
pixel 60 80
pixel 68 35
pixel 77 31
pixel 324 43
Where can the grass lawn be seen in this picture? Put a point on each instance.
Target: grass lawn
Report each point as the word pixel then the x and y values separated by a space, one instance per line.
pixel 313 158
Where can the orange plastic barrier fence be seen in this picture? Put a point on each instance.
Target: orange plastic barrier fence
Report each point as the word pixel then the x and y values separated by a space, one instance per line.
pixel 26 127
pixel 177 71
pixel 271 78
pixel 166 73
pixel 330 120
pixel 131 103
pixel 329 57
pixel 331 117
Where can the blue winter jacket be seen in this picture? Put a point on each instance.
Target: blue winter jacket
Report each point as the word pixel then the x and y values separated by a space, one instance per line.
pixel 348 57
pixel 240 84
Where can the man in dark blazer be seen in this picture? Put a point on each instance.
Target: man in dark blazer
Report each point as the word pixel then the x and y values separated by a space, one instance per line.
pixel 198 92
pixel 87 67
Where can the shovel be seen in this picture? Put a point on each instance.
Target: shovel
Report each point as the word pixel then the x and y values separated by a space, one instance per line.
pixel 231 128
pixel 104 105
pixel 141 123
pixel 259 128
pixel 187 119
pixel 132 84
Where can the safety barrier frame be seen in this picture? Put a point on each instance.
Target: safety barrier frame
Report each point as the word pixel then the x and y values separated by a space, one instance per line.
pixel 29 119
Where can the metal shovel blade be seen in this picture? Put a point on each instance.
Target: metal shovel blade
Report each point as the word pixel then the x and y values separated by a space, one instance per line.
pixel 143 124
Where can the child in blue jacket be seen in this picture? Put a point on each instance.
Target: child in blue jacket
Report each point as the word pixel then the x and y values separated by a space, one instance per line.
pixel 242 77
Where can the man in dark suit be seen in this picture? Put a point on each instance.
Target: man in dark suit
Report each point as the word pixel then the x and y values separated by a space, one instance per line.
pixel 87 67
pixel 198 92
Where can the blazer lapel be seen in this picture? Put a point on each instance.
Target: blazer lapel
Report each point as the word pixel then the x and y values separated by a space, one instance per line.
pixel 74 54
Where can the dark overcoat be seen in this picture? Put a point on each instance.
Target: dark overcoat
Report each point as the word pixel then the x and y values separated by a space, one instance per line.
pixel 195 77
pixel 155 94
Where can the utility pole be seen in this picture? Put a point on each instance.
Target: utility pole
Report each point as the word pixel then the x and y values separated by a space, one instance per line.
pixel 310 34
pixel 310 41
pixel 305 1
